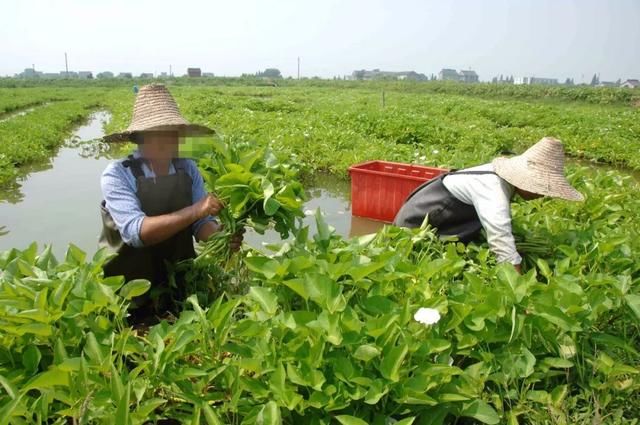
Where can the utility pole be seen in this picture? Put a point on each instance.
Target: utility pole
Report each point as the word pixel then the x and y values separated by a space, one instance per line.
pixel 170 72
pixel 66 66
pixel 298 67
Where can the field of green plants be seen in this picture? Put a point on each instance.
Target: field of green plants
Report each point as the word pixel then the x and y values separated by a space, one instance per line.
pixel 391 328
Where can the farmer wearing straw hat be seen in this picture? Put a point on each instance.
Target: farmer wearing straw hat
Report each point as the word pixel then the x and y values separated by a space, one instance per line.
pixel 155 202
pixel 460 203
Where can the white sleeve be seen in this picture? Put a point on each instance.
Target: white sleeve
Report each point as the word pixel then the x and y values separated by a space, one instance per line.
pixel 493 206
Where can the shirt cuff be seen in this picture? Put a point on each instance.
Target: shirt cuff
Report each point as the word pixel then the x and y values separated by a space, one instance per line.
pixel 198 224
pixel 514 259
pixel 133 238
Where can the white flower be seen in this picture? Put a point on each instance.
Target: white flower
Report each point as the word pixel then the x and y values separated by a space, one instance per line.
pixel 422 158
pixel 427 316
pixel 436 151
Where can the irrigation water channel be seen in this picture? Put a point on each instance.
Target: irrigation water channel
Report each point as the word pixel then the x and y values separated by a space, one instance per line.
pixel 57 203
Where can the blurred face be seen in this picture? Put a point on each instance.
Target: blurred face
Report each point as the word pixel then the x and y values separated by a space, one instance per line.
pixel 527 196
pixel 159 145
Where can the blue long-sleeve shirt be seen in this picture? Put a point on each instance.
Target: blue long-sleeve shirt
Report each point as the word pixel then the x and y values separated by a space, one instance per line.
pixel 119 189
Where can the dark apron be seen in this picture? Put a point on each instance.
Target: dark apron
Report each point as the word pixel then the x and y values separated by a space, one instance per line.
pixel 158 196
pixel 449 216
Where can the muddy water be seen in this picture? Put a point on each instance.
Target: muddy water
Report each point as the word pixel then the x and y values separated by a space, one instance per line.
pixel 606 167
pixel 333 197
pixel 57 202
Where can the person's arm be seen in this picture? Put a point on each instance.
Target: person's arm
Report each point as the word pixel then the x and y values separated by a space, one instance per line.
pixel 207 229
pixel 493 205
pixel 160 228
pixel 119 193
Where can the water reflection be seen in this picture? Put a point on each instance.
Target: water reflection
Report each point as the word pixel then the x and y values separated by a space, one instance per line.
pixel 85 142
pixel 58 202
pixel 332 195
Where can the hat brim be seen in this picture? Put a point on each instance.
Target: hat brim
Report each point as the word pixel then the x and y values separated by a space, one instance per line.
pixel 517 172
pixel 184 130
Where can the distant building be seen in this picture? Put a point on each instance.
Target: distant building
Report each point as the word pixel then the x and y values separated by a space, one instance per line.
pixel 30 73
pixel 208 74
pixel 468 76
pixel 163 75
pixel 68 74
pixel 87 75
pixel 105 75
pixel 608 84
pixel 376 74
pixel 521 81
pixel 447 74
pixel 631 84
pixel 535 80
pixel 50 75
pixel 194 72
pixel 146 75
pixel 465 76
pixel 125 75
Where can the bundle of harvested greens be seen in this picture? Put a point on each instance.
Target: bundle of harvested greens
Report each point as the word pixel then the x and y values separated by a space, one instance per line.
pixel 258 192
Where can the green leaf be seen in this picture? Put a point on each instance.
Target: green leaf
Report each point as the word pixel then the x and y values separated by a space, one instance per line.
pixel 122 410
pixel 263 296
pixel 481 411
pixel 147 407
pixel 48 379
pixel 262 265
pixel 558 395
pixel 297 285
pixel 92 348
pixel 391 362
pixel 544 268
pixel 350 420
pixel 633 301
pixel 117 389
pixel 31 358
pixel 271 206
pixel 269 414
pixel 75 255
pixel 366 352
pixel 11 390
pixel 134 288
pixel 6 412
pixel 557 317
pixel 406 421
pixel 210 415
pixel 324 234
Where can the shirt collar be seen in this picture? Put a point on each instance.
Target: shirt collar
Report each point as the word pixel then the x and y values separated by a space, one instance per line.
pixel 146 168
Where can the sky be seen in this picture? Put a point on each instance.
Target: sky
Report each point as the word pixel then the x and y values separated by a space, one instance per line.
pixel 541 38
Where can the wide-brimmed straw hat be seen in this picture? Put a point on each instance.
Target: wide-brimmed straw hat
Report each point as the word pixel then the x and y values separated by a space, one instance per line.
pixel 540 170
pixel 156 110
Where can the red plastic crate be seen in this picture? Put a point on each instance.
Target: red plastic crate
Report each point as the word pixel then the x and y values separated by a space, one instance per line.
pixel 379 188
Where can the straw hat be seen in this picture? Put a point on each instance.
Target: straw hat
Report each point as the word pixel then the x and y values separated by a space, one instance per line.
pixel 156 110
pixel 540 169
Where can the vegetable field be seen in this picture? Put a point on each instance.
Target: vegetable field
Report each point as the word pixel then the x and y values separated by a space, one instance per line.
pixel 395 327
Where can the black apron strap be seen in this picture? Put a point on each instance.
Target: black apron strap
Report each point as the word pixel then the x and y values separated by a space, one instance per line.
pixel 135 164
